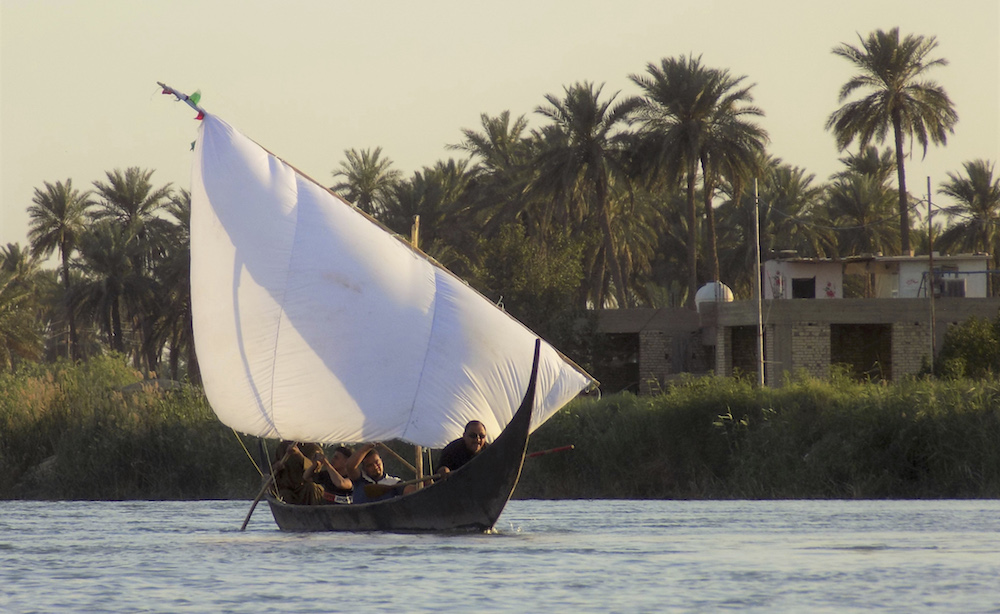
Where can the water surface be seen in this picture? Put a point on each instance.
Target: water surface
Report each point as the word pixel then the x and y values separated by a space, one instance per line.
pixel 545 556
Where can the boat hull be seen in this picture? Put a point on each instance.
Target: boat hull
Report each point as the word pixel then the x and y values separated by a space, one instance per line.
pixel 469 499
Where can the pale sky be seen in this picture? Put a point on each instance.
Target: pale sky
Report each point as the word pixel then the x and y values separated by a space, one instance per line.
pixel 309 79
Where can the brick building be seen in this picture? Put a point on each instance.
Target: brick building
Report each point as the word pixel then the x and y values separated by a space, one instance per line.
pixel 882 338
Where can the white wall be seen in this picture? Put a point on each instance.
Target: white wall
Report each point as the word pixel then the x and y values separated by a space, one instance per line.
pixel 910 274
pixel 778 275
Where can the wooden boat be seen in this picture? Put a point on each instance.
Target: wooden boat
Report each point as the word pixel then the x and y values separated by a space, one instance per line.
pixel 469 499
pixel 315 323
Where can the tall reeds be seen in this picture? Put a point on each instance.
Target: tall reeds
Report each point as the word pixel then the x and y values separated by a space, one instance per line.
pixel 80 431
pixel 84 431
pixel 724 438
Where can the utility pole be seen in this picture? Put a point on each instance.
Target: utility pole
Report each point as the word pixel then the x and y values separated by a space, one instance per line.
pixel 760 288
pixel 930 260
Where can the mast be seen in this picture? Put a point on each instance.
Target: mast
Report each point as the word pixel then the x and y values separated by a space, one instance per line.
pixel 418 450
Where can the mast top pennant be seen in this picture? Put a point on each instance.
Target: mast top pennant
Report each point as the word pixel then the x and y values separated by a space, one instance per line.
pixel 192 100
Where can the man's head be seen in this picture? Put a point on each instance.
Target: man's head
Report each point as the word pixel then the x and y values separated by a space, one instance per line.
pixel 372 466
pixel 311 450
pixel 339 459
pixel 474 436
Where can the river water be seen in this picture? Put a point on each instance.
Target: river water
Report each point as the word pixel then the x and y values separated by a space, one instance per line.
pixel 545 556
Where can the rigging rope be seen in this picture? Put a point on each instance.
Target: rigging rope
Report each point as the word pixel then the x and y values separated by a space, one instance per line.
pixel 250 456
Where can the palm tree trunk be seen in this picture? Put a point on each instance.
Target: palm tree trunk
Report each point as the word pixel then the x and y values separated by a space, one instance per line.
pixel 117 343
pixel 692 247
pixel 175 354
pixel 713 250
pixel 74 341
pixel 597 278
pixel 904 205
pixel 151 353
pixel 618 276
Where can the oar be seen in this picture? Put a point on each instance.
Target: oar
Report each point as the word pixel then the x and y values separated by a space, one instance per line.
pixel 263 489
pixel 253 506
pixel 544 452
pixel 374 491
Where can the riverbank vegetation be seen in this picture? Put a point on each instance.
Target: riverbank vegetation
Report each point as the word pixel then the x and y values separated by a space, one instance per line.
pixel 96 430
pixel 93 431
pixel 725 438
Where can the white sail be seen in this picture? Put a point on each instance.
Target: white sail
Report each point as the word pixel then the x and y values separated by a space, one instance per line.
pixel 312 323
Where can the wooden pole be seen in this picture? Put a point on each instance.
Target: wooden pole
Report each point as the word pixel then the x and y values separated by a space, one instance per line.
pixel 544 452
pixel 418 451
pixel 930 261
pixel 398 457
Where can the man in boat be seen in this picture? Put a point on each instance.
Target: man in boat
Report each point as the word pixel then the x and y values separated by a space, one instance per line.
pixel 290 479
pixel 463 449
pixel 331 474
pixel 365 468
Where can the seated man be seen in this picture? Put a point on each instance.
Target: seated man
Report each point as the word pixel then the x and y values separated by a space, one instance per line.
pixel 364 467
pixel 289 476
pixel 462 450
pixel 332 475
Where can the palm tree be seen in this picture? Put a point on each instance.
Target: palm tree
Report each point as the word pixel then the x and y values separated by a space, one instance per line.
pixel 368 179
pixel 791 218
pixel 891 72
pixel 112 288
pixel 134 204
pixel 131 200
pixel 19 331
pixel 18 261
pixel 640 225
pixel 57 220
pixel 583 158
pixel 174 327
pixel 977 195
pixel 861 209
pixel 731 149
pixel 869 161
pixel 694 116
pixel 438 195
pixel 502 154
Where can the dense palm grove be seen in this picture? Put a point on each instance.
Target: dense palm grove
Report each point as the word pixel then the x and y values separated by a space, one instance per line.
pixel 613 201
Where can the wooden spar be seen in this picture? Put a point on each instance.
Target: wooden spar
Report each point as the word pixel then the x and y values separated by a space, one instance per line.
pixel 544 452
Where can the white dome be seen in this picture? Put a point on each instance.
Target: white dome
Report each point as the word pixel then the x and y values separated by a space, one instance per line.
pixel 713 292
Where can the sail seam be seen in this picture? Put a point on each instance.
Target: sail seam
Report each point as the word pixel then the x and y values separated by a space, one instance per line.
pixel 427 353
pixel 284 290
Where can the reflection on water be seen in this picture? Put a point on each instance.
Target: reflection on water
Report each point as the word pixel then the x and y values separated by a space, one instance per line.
pixel 587 556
